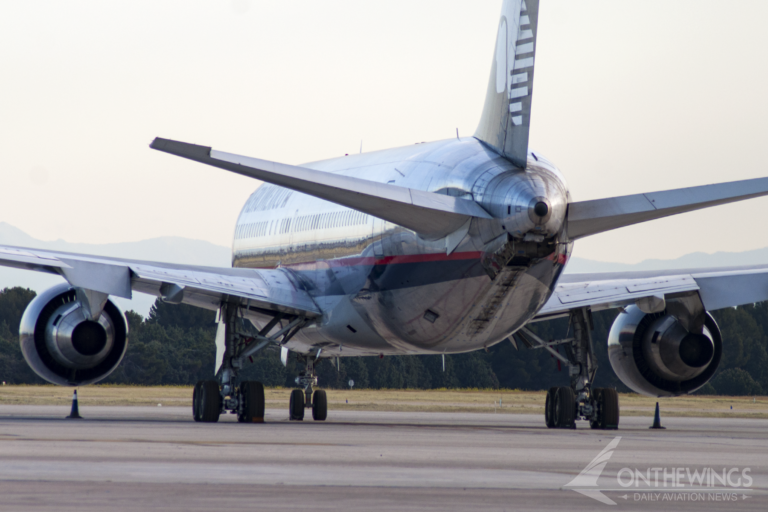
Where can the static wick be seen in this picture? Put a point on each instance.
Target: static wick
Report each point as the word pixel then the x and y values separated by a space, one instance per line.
pixel 457 134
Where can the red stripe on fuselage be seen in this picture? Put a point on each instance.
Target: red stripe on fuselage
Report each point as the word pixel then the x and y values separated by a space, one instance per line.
pixel 391 260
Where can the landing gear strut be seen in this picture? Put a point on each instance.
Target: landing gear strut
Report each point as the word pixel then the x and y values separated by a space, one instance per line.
pixel 306 397
pixel 579 401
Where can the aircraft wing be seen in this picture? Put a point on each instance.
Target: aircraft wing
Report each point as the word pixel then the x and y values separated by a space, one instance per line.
pixel 719 288
pixel 205 287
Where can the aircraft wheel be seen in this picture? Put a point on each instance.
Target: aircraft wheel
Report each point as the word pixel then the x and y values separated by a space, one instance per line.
pixel 549 408
pixel 596 421
pixel 251 408
pixel 611 409
pixel 210 401
pixel 565 408
pixel 197 398
pixel 319 405
pixel 607 404
pixel 296 405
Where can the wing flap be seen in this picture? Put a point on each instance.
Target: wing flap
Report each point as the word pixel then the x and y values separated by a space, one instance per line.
pixel 432 215
pixel 207 287
pixel 24 259
pixel 729 289
pixel 718 288
pixel 611 293
pixel 266 289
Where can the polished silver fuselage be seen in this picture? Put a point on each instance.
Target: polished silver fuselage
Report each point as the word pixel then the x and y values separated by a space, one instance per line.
pixel 384 289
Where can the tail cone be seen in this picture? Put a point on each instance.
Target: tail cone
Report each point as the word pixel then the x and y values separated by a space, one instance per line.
pixel 657 419
pixel 74 414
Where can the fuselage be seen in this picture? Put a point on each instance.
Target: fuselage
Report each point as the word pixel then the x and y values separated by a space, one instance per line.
pixel 384 289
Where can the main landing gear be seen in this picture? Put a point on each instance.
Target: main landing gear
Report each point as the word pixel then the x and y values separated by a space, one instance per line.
pixel 306 398
pixel 580 400
pixel 207 402
pixel 237 341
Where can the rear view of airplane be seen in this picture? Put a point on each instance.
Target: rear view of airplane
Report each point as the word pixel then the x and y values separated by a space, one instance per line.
pixel 437 248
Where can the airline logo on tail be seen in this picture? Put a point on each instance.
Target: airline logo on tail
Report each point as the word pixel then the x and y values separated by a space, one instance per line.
pixel 522 61
pixel 517 57
pixel 507 111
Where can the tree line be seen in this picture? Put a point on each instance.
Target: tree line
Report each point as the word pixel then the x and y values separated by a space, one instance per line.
pixel 174 345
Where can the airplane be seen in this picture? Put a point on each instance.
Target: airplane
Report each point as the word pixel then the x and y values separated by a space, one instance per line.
pixel 436 248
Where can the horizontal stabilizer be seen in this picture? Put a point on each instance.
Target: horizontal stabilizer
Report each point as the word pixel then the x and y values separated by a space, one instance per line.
pixel 587 218
pixel 431 215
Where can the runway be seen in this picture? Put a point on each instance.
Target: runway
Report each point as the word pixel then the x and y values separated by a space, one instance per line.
pixel 138 458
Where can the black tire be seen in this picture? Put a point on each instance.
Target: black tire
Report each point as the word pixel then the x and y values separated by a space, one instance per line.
pixel 565 408
pixel 596 421
pixel 210 401
pixel 319 405
pixel 607 414
pixel 197 396
pixel 549 408
pixel 611 409
pixel 296 405
pixel 251 407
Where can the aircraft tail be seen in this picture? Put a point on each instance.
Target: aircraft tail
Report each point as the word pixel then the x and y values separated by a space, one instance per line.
pixel 507 112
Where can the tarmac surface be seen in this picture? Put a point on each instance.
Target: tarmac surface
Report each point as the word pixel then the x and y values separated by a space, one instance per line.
pixel 140 458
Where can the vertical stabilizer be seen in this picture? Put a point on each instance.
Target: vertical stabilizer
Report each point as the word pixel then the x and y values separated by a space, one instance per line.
pixel 507 111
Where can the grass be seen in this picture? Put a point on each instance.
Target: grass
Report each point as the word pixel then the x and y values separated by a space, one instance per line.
pixel 441 400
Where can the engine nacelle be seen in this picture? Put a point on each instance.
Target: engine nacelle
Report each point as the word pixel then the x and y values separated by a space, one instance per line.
pixel 63 346
pixel 657 355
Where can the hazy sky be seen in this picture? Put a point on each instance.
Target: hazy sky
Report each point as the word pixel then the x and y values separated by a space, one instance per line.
pixel 629 96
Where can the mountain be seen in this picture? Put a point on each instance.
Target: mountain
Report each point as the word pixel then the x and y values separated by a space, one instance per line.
pixel 693 260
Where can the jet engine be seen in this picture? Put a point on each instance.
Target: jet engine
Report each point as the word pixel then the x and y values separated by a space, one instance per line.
pixel 668 353
pixel 64 346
